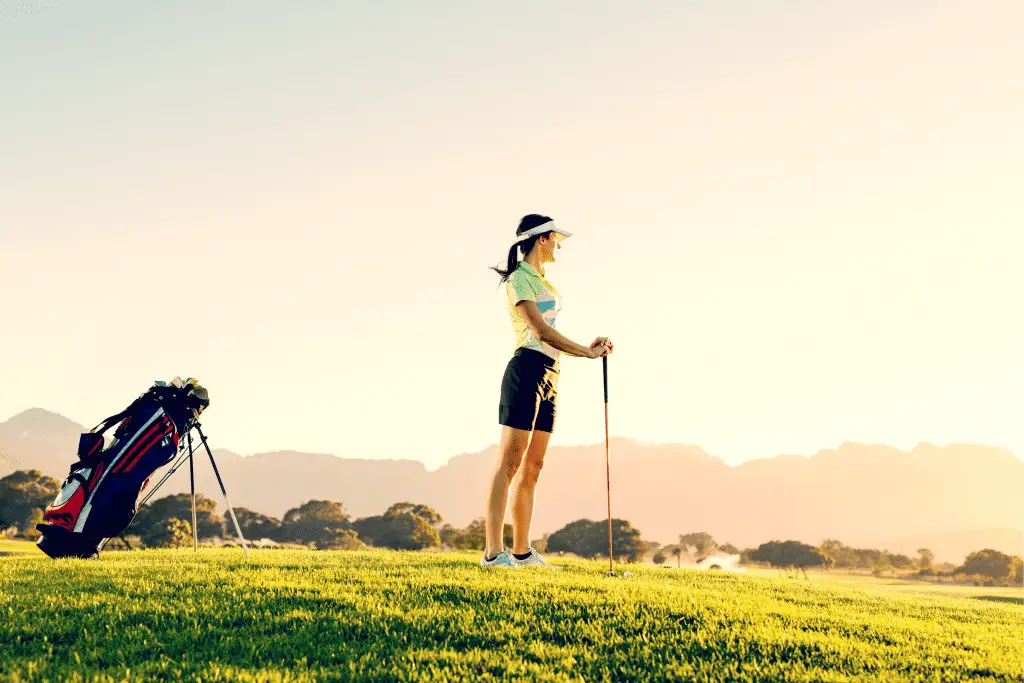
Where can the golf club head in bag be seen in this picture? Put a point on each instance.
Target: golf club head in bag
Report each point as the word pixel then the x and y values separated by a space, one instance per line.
pixel 99 498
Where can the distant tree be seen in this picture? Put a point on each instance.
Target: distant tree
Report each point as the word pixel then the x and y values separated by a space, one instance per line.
pixel 472 537
pixel 991 564
pixel 571 538
pixel 412 526
pixel 30 531
pixel 659 558
pixel 843 556
pixel 729 549
pixel 590 539
pixel 925 557
pixel 827 561
pixel 651 548
pixel 831 550
pixel 410 532
pixel 478 530
pixel 429 514
pixel 342 539
pixel 323 523
pixel 870 557
pixel 254 525
pixel 21 492
pixel 627 542
pixel 451 536
pixel 399 531
pixel 677 552
pixel 167 533
pixel 900 561
pixel 178 506
pixel 371 529
pixel 788 555
pixel 768 553
pixel 700 542
pixel 882 565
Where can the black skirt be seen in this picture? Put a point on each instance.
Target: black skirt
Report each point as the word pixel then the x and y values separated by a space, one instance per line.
pixel 529 390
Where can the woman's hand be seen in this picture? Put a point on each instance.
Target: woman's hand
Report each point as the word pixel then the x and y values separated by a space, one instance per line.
pixel 601 346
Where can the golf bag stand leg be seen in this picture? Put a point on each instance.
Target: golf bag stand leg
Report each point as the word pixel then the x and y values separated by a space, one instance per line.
pixel 231 511
pixel 192 482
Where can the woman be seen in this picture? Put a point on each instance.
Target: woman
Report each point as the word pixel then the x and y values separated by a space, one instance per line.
pixel 529 388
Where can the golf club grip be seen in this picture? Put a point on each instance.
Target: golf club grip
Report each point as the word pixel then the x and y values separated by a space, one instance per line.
pixel 604 365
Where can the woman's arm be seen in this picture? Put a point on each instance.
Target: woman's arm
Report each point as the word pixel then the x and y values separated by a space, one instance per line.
pixel 550 335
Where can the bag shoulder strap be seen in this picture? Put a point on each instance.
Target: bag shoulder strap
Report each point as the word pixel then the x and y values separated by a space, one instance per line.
pixel 110 421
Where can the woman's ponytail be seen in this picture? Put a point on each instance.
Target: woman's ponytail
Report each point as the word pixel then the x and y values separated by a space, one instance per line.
pixel 528 222
pixel 513 263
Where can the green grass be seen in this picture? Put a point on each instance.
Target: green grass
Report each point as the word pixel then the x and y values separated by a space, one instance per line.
pixel 10 546
pixel 906 586
pixel 295 616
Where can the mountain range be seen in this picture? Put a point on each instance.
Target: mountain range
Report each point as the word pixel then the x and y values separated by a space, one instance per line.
pixel 953 499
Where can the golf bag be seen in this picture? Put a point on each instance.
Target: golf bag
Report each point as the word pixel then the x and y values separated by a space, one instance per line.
pixel 99 498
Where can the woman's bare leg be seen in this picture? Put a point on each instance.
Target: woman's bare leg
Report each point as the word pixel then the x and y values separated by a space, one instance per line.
pixel 510 455
pixel 523 493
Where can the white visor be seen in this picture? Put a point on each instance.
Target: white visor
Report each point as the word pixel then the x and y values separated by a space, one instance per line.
pixel 541 229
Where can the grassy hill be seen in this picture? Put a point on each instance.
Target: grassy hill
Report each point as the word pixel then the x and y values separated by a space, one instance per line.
pixel 376 615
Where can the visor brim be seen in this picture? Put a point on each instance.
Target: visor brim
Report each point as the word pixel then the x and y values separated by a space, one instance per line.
pixel 559 234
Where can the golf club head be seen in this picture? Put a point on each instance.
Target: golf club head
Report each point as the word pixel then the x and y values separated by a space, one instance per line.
pixel 199 397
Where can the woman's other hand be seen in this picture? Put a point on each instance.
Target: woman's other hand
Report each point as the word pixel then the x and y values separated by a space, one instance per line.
pixel 601 346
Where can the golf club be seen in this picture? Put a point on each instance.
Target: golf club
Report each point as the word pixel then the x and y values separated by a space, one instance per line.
pixel 607 464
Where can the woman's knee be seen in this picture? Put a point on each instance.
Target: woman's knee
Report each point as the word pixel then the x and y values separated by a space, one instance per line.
pixel 511 461
pixel 531 470
pixel 513 447
pixel 510 466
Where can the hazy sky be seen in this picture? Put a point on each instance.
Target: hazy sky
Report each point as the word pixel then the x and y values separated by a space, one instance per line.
pixel 800 222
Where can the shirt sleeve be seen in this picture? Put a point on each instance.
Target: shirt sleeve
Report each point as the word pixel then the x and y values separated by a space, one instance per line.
pixel 519 289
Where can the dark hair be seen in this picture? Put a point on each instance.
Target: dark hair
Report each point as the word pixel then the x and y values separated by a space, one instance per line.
pixel 528 222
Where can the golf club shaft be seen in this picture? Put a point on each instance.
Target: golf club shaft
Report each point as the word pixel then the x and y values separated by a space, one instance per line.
pixel 607 463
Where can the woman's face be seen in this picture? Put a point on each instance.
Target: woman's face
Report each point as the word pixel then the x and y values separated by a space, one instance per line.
pixel 548 246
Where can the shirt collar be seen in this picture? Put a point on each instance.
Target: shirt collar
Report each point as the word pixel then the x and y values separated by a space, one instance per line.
pixel 528 268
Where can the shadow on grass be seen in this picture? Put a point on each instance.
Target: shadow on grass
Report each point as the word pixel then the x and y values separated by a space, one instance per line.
pixel 1012 599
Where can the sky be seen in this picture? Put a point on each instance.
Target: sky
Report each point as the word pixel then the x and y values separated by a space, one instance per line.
pixel 799 221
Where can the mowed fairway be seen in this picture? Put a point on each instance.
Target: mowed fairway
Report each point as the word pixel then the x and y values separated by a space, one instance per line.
pixel 11 547
pixel 375 615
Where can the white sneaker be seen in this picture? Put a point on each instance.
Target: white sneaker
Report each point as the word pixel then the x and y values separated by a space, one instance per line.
pixel 532 560
pixel 503 559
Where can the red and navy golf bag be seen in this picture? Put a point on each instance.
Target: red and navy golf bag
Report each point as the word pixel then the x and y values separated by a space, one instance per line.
pixel 99 498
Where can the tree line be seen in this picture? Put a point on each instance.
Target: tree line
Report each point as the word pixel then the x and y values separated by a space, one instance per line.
pixel 319 524
pixel 987 566
pixel 324 524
